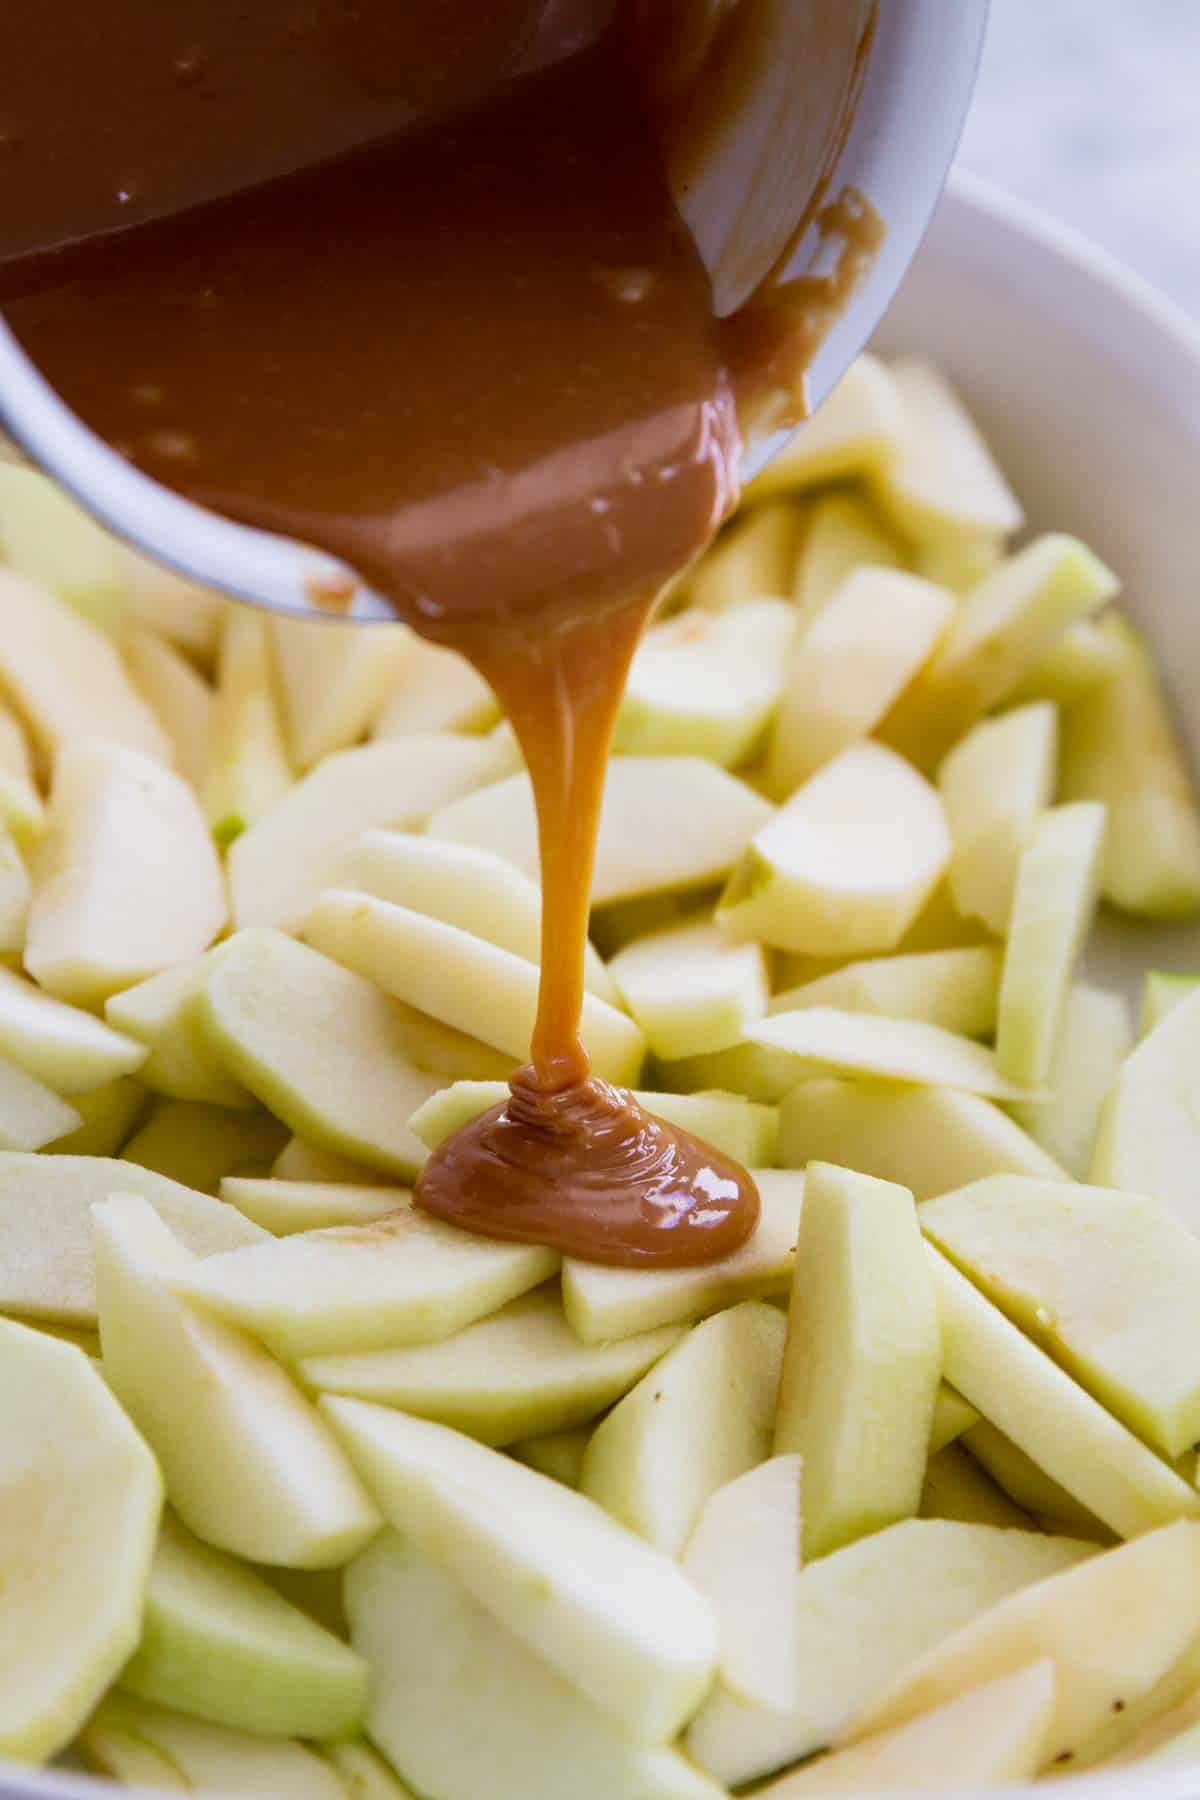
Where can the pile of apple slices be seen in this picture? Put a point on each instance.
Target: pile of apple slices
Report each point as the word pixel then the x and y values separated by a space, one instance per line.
pixel 305 1493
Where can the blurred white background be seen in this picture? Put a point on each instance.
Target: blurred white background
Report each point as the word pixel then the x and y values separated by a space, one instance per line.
pixel 1090 109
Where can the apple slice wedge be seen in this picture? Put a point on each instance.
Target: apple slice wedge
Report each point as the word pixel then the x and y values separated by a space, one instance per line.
pixel 80 1496
pixel 180 698
pixel 942 482
pixel 1149 1126
pixel 957 1488
pixel 612 1616
pixel 952 1416
pixel 298 1161
pixel 198 1145
pixel 995 784
pixel 187 614
pixel 1030 1488
pixel 857 430
pixel 163 1015
pixel 284 1207
pixel 871 1047
pixel 690 989
pixel 332 682
pixel 206 1758
pixel 31 1114
pixel 439 1658
pixel 863 1357
pixel 249 1465
pixel 844 532
pixel 518 1373
pixel 220 1644
pixel 113 1750
pixel 249 769
pixel 1094 1038
pixel 107 1118
pixel 956 989
pixel 48 538
pixel 754 556
pixel 434 689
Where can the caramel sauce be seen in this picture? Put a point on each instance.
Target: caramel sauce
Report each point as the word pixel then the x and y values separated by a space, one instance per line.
pixel 482 362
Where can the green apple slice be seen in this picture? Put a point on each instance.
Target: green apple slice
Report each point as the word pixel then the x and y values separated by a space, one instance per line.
pixel 1029 1487
pixel 844 532
pixel 218 1643
pixel 65 678
pixel 319 1046
pixel 1103 1281
pixel 279 866
pixel 1094 1038
pixel 183 611
pixel 472 889
pixel 197 1144
pixel 604 1303
pixel 179 697
pixel 249 1465
pixel 332 682
pixel 863 1357
pixel 845 867
pixel 108 1116
pixel 558 1454
pixel 1151 1586
pixel 439 1659
pixel 207 1758
pixel 1161 994
pixel 31 1114
pixel 952 1416
pixel 79 1504
pixel 956 989
pixel 1003 627
pixel 856 431
pixel 957 1488
pixel 408 1279
pixel 1054 903
pixel 756 1072
pixel 942 481
pixel 995 784
pixel 1121 746
pixel 45 1228
pixel 959 563
pixel 124 1758
pixel 754 556
pixel 1087 652
pixel 872 1047
pixel 706 683
pixel 298 1161
pixel 460 979
pixel 690 989
pixel 1149 1125
pixel 993 1735
pixel 866 1613
pixel 671 822
pixel 612 1616
pixel 1049 1416
pixel 744 1557
pixel 249 768
pixel 128 881
pixel 929 1139
pixel 363 1772
pixel 163 1014
pixel 49 539
pixel 522 1372
pixel 849 666
pixel 434 689
pixel 704 1415
pixel 284 1207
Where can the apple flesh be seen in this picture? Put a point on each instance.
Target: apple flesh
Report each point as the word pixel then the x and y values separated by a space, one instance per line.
pixel 205 1758
pixel 859 429
pixel 1029 1487
pixel 753 557
pixel 690 989
pixel 995 784
pixel 108 1116
pixel 179 697
pixel 284 1207
pixel 942 482
pixel 559 1454
pixel 868 1046
pixel 1150 1124
pixel 1161 994
pixel 332 682
pixel 249 769
pixel 363 1772
pixel 952 1416
pixel 434 689
pixel 198 1145
pixel 956 989
pixel 163 1014
pixel 49 539
pixel 844 532
pixel 1094 1038
pixel 957 1488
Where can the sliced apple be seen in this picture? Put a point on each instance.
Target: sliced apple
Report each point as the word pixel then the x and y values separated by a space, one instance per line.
pixel 333 680
pixel 472 889
pixel 604 1303
pixel 68 1049
pixel 1054 903
pixel 612 1616
pixel 952 1416
pixel 363 1772
pixel 845 867
pixel 197 1144
pixel 865 1613
pixel 849 666
pixel 163 1015
pixel 942 480
pixel 206 1758
pixel 179 697
pixel 49 539
pixel 128 881
pixel 1094 1038
pixel 1149 1130
pixel 1104 1281
pixel 15 891
pixel 283 1207
pixel 458 978
pixel 993 1735
pixel 671 822
pixel 249 769
pixel 1152 1586
pixel 871 1047
pixel 702 1416
pixel 955 989
pixel 434 689
pixel 863 1357
pixel 79 1504
pixel 1087 652
pixel 190 615
pixel 754 556
pixel 957 1488
pixel 959 563
pixel 408 1279
pixel 31 1114
pixel 21 808
pixel 995 784
pixel 1049 1416
pixel 1003 627
pixel 322 1048
pixel 65 678
pixel 249 1466
pixel 844 532
pixel 558 1454
pixel 439 1658
pixel 108 1116
pixel 113 1750
pixel 744 1557
pixel 1029 1487
pixel 279 866
pixel 855 432
pixel 706 684
pixel 690 989
pixel 220 1644
pixel 522 1372
pixel 298 1161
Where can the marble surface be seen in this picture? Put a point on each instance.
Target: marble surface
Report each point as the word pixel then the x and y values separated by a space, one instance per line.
pixel 1091 110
